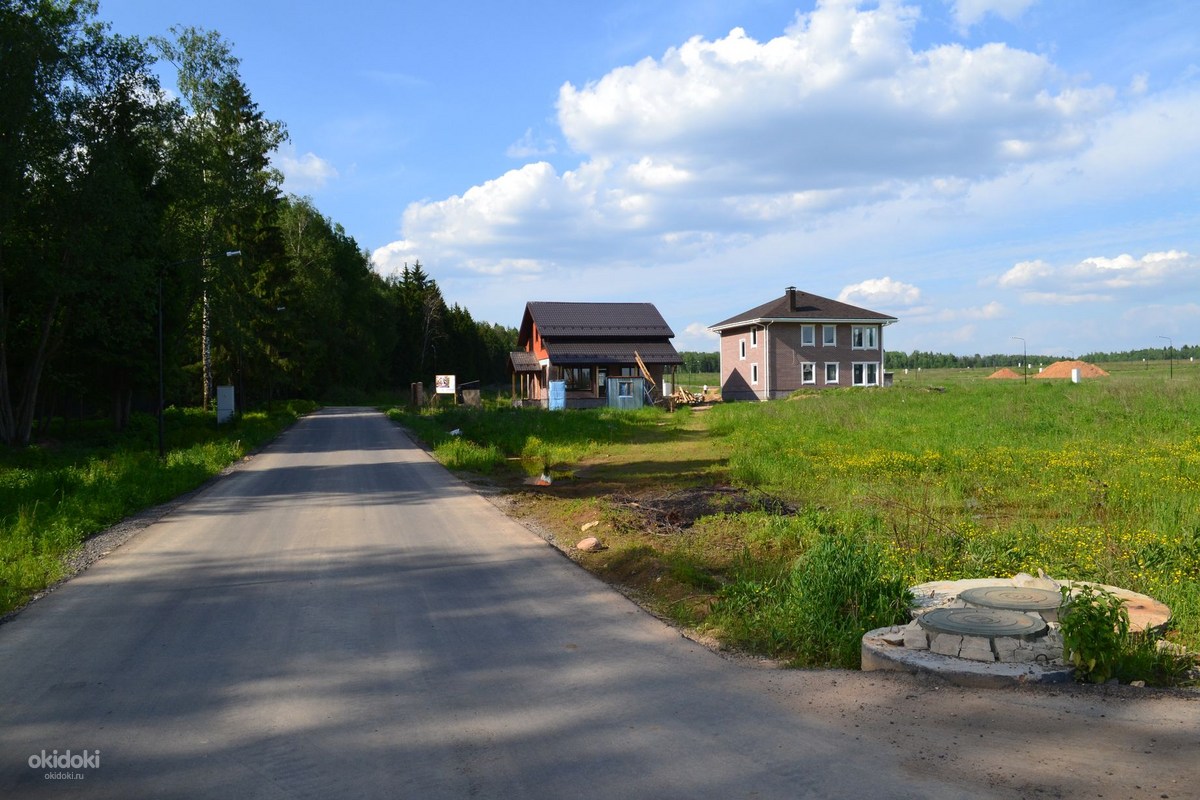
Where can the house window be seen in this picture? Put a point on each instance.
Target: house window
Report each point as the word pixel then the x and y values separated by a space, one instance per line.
pixel 754 337
pixel 754 374
pixel 864 337
pixel 829 335
pixel 831 372
pixel 742 349
pixel 866 373
pixel 578 379
pixel 808 373
pixel 808 335
pixel 624 388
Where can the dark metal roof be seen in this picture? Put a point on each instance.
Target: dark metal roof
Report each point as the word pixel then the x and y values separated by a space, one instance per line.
pixel 524 361
pixel 578 351
pixel 588 320
pixel 799 305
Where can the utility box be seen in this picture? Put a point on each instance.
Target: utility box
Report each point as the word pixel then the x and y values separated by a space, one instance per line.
pixel 558 395
pixel 626 392
pixel 224 404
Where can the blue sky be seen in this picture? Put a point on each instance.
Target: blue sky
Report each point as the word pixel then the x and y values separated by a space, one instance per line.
pixel 980 169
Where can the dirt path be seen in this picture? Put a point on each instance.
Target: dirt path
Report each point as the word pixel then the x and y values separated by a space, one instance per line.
pixel 1072 742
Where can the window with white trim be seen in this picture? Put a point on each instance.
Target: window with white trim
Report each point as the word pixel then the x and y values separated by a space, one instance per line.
pixel 864 337
pixel 866 373
pixel 742 349
pixel 831 372
pixel 808 373
pixel 754 374
pixel 754 337
pixel 829 335
pixel 808 335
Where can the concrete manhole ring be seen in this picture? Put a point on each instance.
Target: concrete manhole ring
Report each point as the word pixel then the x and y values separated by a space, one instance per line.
pixel 1013 598
pixel 990 622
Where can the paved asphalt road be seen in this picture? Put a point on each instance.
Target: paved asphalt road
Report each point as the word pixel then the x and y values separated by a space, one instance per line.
pixel 343 618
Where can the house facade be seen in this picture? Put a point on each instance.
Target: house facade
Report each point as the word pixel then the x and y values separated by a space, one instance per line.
pixel 800 341
pixel 592 351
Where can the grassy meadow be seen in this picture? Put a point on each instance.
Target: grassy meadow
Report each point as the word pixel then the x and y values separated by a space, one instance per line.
pixel 55 494
pixel 945 475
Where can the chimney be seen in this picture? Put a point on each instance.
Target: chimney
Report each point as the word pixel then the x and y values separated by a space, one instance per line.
pixel 791 295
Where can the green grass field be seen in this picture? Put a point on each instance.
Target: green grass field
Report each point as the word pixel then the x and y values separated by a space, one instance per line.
pixel 945 475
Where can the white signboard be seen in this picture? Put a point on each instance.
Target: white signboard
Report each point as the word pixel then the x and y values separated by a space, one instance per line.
pixel 444 384
pixel 224 404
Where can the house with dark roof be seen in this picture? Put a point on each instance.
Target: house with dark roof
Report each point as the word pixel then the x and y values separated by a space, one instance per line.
pixel 591 351
pixel 799 341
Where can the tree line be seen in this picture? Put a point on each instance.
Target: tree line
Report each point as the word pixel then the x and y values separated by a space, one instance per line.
pixel 132 219
pixel 898 359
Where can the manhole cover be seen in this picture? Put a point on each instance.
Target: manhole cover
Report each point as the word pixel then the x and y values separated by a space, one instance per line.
pixel 1015 598
pixel 981 622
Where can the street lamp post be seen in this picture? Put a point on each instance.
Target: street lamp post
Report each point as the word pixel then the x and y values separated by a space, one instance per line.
pixel 1024 359
pixel 1171 355
pixel 162 452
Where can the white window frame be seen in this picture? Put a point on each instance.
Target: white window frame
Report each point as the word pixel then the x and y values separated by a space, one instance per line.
pixel 836 371
pixel 754 337
pixel 859 377
pixel 808 335
pixel 864 337
pixel 741 349
pixel 829 335
pixel 811 369
pixel 754 374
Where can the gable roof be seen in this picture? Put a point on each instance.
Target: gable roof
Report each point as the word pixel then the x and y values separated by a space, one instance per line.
pixel 797 306
pixel 593 321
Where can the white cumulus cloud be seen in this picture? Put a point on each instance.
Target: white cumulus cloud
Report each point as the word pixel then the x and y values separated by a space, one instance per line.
pixel 304 172
pixel 880 292
pixel 971 12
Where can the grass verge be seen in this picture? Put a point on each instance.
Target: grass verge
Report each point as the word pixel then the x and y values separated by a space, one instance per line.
pixel 55 495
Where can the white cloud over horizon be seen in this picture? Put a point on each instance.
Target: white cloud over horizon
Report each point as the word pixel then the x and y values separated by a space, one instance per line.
pixel 826 152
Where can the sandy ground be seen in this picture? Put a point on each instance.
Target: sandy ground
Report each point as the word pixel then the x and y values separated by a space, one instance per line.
pixel 1027 742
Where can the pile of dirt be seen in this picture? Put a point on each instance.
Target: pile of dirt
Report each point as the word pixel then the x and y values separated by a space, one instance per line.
pixel 1005 374
pixel 1062 369
pixel 679 510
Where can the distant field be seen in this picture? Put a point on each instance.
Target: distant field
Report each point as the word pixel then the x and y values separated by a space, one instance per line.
pixel 694 381
pixel 1122 370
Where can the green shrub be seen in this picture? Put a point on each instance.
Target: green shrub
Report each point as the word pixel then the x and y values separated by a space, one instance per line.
pixel 844 586
pixel 1095 629
pixel 1098 642
pixel 815 612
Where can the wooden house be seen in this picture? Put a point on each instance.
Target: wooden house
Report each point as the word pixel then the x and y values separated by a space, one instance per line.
pixel 597 354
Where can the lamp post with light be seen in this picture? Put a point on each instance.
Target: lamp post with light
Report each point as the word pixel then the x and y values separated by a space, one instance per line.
pixel 162 453
pixel 1171 355
pixel 1024 359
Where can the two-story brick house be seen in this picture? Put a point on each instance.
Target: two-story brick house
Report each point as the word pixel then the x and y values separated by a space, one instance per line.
pixel 799 341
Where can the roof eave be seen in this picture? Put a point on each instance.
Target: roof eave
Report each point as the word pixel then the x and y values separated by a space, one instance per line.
pixel 806 320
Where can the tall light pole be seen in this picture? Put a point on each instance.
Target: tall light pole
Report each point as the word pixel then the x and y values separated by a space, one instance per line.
pixel 162 453
pixel 1171 353
pixel 1024 359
